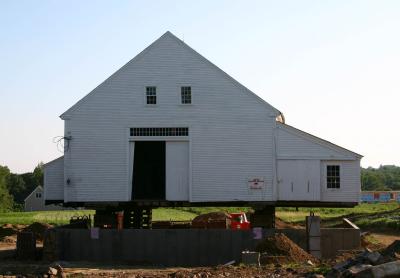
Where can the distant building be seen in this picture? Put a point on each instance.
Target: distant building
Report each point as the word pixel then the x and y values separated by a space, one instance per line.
pixel 380 196
pixel 35 201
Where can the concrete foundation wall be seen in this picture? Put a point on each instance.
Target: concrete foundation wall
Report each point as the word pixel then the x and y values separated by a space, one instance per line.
pixel 335 239
pixel 186 247
pixel 154 247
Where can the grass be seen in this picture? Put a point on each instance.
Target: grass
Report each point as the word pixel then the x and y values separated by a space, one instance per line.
pixel 63 217
pixel 161 214
pixel 51 217
pixel 293 216
pixel 364 215
pixel 391 222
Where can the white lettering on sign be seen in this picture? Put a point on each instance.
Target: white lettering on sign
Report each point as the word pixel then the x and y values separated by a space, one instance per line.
pixel 256 183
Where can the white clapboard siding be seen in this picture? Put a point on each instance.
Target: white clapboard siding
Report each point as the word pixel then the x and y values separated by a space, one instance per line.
pixel 231 129
pixel 350 186
pixel 293 143
pixel 54 179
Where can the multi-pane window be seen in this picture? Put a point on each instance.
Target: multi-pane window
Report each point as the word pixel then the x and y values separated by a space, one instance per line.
pixel 333 176
pixel 38 195
pixel 151 95
pixel 159 131
pixel 186 95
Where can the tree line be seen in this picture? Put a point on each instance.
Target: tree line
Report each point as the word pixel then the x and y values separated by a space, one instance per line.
pixel 14 188
pixel 385 178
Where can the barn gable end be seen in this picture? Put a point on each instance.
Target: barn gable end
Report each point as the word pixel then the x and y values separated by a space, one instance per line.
pixel 224 120
pixel 226 146
pixel 168 41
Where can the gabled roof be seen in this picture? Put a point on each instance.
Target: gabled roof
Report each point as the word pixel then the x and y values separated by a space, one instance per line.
pixel 181 43
pixel 39 187
pixel 54 160
pixel 318 140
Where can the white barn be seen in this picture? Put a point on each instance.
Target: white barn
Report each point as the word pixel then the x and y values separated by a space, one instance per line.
pixel 35 201
pixel 171 128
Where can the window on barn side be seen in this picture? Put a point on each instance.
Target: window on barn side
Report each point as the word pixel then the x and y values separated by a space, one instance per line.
pixel 186 95
pixel 333 176
pixel 151 95
pixel 38 195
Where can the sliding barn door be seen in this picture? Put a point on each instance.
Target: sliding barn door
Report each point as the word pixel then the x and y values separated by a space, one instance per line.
pixel 177 171
pixel 299 180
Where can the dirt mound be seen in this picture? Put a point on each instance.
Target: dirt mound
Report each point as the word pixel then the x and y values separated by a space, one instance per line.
pixel 7 230
pixel 393 250
pixel 9 239
pixel 38 229
pixel 212 220
pixel 212 216
pixel 281 245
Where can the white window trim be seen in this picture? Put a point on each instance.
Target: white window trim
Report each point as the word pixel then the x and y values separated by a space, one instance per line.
pixel 145 96
pixel 179 88
pixel 325 176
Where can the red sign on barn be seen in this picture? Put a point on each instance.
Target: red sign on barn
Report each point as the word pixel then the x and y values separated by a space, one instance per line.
pixel 256 183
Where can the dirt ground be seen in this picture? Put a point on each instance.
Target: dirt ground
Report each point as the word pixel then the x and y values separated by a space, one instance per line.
pixel 92 270
pixel 386 238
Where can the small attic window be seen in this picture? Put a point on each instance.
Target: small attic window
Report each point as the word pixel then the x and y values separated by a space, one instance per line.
pixel 38 195
pixel 151 95
pixel 186 95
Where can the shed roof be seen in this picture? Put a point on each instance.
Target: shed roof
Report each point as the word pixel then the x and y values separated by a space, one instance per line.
pixel 318 140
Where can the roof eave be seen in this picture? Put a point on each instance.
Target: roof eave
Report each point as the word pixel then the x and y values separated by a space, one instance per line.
pixel 356 155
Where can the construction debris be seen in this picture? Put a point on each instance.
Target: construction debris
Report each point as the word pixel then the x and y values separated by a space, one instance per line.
pixel 393 250
pixel 251 258
pixel 281 245
pixel 370 264
pixel 391 269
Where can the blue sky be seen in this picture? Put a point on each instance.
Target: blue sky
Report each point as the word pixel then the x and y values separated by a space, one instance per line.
pixel 332 67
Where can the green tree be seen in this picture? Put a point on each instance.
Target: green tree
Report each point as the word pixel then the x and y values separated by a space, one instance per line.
pixel 38 173
pixel 6 200
pixel 16 186
pixel 386 177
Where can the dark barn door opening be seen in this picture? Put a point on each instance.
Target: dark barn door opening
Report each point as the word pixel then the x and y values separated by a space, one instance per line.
pixel 148 181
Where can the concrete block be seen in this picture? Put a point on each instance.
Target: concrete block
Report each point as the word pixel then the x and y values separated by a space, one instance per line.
pixel 314 243
pixel 26 246
pixel 251 258
pixel 313 225
pixel 316 253
pixel 375 258
pixel 344 265
pixel 391 269
pixel 355 270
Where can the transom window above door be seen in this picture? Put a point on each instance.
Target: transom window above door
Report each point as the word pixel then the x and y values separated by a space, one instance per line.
pixel 159 131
